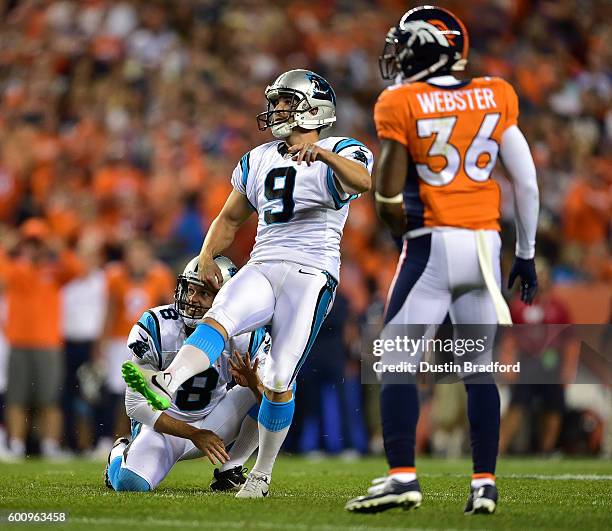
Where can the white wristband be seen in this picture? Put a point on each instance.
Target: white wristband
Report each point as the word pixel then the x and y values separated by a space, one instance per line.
pixel 399 198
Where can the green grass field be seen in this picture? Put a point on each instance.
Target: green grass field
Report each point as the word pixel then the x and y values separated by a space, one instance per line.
pixel 542 494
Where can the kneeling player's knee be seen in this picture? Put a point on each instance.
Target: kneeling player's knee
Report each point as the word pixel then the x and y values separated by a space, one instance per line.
pixel 128 481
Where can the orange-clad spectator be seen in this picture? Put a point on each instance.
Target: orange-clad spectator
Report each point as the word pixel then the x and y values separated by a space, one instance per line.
pixel 116 178
pixel 588 205
pixel 31 278
pixel 136 283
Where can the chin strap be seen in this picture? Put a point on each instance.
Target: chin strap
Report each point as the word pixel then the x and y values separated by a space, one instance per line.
pixel 284 130
pixel 433 68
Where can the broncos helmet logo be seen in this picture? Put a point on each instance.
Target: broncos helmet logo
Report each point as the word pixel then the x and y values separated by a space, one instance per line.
pixel 321 89
pixel 425 32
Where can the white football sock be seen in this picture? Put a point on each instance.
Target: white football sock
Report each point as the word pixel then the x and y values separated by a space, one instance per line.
pixel 270 443
pixel 188 362
pixel 244 445
pixel 477 483
pixel 404 477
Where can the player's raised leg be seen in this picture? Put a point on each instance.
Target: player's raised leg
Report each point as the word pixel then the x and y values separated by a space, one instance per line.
pixel 244 304
pixel 304 297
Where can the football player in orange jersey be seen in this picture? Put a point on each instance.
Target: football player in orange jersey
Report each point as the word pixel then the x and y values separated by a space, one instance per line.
pixel 441 138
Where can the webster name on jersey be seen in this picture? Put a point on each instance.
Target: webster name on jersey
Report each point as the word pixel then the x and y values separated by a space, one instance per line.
pixel 457 100
pixel 301 209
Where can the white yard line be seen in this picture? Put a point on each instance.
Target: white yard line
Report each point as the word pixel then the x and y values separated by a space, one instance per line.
pixel 227 524
pixel 552 477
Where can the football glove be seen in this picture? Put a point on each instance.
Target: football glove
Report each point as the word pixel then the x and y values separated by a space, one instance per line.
pixel 525 270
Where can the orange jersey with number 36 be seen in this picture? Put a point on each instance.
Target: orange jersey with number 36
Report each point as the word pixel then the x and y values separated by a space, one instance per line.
pixel 452 134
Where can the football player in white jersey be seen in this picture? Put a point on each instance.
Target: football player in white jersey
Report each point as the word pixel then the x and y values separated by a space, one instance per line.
pixel 300 186
pixel 204 416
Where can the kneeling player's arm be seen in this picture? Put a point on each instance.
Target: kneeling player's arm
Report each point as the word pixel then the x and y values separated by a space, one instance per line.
pixel 137 409
pixel 223 229
pixel 353 177
pixel 171 426
pixel 207 441
pixel 517 159
pixel 390 178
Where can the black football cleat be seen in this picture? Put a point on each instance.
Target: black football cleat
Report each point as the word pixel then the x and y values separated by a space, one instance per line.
pixel 230 479
pixel 482 500
pixel 387 493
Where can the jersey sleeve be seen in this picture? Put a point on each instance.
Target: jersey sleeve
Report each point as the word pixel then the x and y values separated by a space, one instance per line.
pixel 512 107
pixel 138 409
pixel 391 116
pixel 144 341
pixel 354 150
pixel 240 175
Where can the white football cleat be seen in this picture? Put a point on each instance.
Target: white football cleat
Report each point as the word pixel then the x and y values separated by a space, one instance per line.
pixel 257 486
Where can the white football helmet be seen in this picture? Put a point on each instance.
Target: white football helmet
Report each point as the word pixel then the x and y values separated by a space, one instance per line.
pixel 313 105
pixel 191 313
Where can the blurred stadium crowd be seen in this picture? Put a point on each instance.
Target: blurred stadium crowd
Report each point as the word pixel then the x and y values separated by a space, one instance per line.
pixel 120 124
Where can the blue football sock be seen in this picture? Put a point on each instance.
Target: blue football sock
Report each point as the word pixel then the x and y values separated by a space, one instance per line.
pixel 484 416
pixel 399 405
pixel 113 471
pixel 207 339
pixel 276 416
pixel 131 482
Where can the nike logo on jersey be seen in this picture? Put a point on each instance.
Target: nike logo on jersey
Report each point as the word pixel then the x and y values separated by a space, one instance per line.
pixel 306 273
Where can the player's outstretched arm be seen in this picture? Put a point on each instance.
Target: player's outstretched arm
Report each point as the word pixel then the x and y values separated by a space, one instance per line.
pixel 518 162
pixel 220 236
pixel 353 177
pixel 208 442
pixel 390 178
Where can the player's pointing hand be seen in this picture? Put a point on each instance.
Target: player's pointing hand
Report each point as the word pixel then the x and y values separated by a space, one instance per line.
pixel 305 152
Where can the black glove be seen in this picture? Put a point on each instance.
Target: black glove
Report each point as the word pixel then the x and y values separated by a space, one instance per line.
pixel 525 269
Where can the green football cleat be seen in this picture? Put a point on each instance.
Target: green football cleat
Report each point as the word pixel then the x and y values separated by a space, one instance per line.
pixel 149 384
